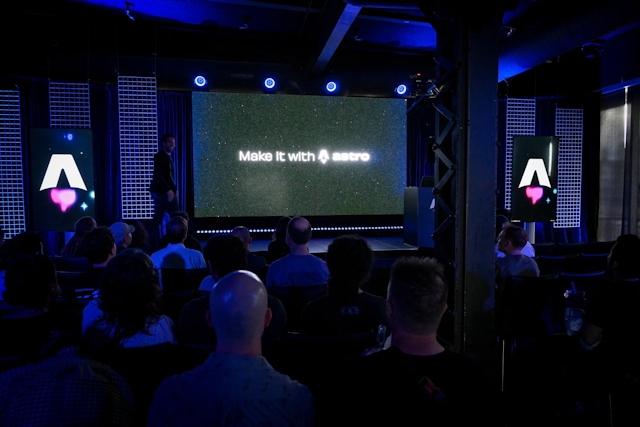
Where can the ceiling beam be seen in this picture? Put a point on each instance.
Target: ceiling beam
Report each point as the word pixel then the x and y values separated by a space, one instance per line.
pixel 332 39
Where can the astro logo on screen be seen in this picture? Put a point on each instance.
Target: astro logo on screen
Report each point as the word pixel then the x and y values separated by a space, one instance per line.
pixel 303 156
pixel 534 167
pixel 64 198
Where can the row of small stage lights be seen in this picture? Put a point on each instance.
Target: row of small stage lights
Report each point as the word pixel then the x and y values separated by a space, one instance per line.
pixel 270 230
pixel 270 84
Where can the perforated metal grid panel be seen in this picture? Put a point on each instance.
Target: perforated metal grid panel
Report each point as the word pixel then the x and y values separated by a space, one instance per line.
pixel 11 182
pixel 138 118
pixel 69 105
pixel 521 121
pixel 569 128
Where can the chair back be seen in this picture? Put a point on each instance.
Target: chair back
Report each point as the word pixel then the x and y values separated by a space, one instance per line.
pixel 295 298
pixel 554 264
pixel 72 286
pixel 524 308
pixel 586 282
pixel 573 248
pixel 547 248
pixel 182 279
pixel 71 264
pixel 593 262
pixel 599 247
pixel 303 353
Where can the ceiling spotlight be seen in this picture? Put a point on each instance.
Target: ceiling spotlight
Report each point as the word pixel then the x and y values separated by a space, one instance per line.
pixel 401 89
pixel 127 10
pixel 245 25
pixel 269 83
pixel 356 37
pixel 200 81
pixel 331 87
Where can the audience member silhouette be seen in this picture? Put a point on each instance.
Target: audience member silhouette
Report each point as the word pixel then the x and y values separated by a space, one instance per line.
pixel 23 244
pixel 610 324
pixel 67 388
pixel 99 247
pixel 140 237
pixel 82 226
pixel 176 255
pixel 28 320
pixel 416 380
pixel 346 309
pixel 278 246
pixel 255 263
pixel 502 222
pixel 224 254
pixel 122 232
pixel 511 241
pixel 300 267
pixel 190 242
pixel 127 311
pixel 235 385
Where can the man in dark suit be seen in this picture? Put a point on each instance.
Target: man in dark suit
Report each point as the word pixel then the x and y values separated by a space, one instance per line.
pixel 163 186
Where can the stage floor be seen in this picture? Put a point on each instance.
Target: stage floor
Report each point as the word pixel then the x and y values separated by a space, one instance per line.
pixel 320 245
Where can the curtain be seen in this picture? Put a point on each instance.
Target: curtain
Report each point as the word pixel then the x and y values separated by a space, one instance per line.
pixel 612 157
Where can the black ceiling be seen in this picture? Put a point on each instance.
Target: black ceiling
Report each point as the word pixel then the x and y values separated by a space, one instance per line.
pixel 236 42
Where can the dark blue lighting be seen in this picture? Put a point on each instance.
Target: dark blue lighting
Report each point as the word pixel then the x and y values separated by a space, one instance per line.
pixel 200 81
pixel 269 83
pixel 401 90
pixel 331 87
pixel 69 136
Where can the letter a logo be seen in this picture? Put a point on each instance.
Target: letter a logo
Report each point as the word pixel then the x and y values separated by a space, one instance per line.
pixel 57 164
pixel 535 166
pixel 323 156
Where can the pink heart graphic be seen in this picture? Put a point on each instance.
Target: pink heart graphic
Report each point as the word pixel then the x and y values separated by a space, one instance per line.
pixel 534 193
pixel 65 198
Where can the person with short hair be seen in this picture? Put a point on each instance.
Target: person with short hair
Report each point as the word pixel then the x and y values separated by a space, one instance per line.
pixel 99 247
pixel 235 385
pixel 190 242
pixel 511 241
pixel 300 267
pixel 347 309
pixel 176 255
pixel 163 187
pixel 416 380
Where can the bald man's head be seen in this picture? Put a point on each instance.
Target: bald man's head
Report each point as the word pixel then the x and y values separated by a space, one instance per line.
pixel 238 308
pixel 299 230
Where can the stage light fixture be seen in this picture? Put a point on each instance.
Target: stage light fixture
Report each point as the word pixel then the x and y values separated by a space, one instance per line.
pixel 127 10
pixel 401 89
pixel 331 87
pixel 269 83
pixel 200 81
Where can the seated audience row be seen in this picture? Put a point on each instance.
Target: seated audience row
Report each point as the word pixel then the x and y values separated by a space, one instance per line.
pixel 236 385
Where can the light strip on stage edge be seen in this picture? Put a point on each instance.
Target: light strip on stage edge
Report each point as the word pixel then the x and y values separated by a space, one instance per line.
pixel 270 230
